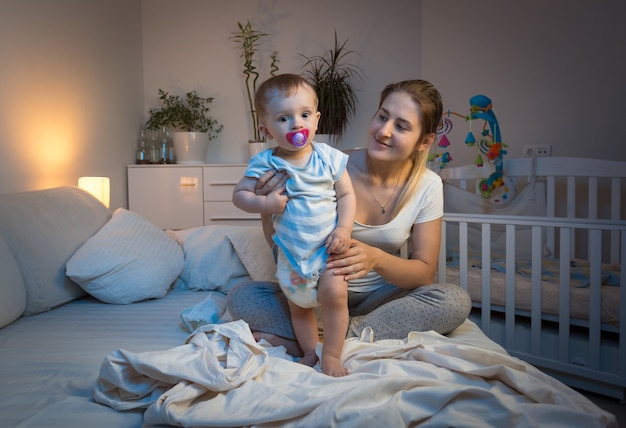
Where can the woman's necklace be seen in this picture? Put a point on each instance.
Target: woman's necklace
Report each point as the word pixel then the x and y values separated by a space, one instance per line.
pixel 382 207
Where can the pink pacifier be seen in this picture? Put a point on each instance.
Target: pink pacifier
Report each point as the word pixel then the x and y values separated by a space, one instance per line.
pixel 298 138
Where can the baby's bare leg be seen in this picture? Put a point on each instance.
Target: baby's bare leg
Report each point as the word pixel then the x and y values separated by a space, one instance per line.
pixel 304 325
pixel 332 294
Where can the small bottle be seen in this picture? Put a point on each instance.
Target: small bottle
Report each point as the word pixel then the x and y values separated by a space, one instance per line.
pixel 153 146
pixel 141 155
pixel 165 144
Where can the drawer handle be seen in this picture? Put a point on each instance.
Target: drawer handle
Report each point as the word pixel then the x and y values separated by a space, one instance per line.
pixel 188 181
pixel 232 218
pixel 222 183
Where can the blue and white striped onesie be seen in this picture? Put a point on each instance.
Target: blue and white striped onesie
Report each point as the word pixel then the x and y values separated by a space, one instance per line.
pixel 309 217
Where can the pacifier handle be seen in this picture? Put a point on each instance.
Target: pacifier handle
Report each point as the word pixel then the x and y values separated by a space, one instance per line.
pixel 298 138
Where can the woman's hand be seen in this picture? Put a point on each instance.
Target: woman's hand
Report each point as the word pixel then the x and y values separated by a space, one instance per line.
pixel 354 263
pixel 271 181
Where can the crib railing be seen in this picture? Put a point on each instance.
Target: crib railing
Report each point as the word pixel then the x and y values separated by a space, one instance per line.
pixel 603 369
pixel 575 188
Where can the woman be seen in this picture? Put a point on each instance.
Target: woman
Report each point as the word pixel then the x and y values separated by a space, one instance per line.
pixel 399 200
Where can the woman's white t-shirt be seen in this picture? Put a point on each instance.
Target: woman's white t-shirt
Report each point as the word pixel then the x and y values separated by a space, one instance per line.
pixel 425 205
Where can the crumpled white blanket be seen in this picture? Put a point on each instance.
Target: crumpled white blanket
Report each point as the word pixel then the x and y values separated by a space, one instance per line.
pixel 222 377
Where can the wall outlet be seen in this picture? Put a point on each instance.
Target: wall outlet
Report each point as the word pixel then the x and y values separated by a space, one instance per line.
pixel 539 151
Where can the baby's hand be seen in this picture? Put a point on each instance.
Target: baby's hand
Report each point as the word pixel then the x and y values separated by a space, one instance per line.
pixel 275 202
pixel 338 241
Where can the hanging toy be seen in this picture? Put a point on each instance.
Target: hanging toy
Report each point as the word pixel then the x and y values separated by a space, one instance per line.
pixel 490 145
pixel 470 140
pixel 442 159
pixel 445 159
pixel 444 142
pixel 445 126
pixel 505 192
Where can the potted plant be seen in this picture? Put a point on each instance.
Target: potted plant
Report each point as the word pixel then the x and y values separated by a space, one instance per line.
pixel 332 79
pixel 247 40
pixel 189 119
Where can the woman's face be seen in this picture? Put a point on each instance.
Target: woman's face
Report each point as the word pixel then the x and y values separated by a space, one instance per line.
pixel 395 129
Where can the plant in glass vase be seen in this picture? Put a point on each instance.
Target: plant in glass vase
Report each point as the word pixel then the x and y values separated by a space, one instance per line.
pixel 332 79
pixel 247 40
pixel 190 121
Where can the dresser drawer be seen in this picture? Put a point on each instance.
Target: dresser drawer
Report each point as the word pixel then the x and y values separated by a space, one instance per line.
pixel 227 213
pixel 220 181
pixel 170 197
pixel 181 197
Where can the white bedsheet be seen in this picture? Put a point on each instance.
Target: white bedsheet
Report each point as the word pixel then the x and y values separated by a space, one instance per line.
pixel 222 377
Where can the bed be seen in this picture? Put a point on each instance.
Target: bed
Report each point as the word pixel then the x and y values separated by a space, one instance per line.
pixel 108 321
pixel 542 263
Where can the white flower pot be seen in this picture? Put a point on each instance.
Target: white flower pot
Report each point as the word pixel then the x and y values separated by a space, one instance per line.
pixel 190 147
pixel 255 147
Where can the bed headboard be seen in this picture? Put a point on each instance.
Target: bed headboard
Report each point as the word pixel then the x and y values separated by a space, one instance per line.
pixel 575 187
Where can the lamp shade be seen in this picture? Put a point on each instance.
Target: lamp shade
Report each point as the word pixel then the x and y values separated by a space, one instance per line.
pixel 100 187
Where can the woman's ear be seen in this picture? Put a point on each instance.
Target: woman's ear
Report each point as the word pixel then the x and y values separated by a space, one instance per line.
pixel 426 142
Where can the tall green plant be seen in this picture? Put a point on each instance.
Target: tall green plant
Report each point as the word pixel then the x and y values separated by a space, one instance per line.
pixel 332 76
pixel 247 39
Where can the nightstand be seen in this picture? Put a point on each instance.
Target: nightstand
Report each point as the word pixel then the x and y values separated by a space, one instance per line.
pixel 184 196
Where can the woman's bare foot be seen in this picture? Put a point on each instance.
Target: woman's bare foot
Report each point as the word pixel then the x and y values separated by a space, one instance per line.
pixel 332 367
pixel 291 346
pixel 309 359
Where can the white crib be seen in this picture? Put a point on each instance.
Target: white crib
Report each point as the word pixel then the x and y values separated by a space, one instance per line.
pixel 544 270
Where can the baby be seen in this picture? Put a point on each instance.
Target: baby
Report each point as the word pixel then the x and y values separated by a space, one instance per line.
pixel 312 218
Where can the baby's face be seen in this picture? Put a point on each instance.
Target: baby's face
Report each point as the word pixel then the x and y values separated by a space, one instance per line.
pixel 291 120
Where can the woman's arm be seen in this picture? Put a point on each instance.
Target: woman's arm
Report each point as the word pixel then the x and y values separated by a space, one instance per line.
pixel 410 273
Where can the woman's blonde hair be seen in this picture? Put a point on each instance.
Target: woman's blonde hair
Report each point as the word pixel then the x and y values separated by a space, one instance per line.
pixel 430 105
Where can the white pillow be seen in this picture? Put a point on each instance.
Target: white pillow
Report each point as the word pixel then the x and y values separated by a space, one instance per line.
pixel 42 229
pixel 254 252
pixel 128 260
pixel 218 257
pixel 12 290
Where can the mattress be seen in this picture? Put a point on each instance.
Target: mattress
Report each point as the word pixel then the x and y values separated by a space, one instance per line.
pixel 579 296
pixel 49 363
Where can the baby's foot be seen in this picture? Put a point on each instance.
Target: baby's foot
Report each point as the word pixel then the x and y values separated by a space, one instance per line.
pixel 291 346
pixel 332 367
pixel 309 359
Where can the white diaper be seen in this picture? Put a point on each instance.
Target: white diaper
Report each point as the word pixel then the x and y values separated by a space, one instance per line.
pixel 302 292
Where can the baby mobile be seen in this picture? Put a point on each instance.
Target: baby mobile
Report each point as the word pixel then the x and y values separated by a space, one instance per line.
pixel 490 145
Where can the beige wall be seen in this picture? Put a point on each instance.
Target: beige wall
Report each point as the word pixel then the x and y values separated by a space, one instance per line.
pixel 553 69
pixel 186 46
pixel 71 92
pixel 77 76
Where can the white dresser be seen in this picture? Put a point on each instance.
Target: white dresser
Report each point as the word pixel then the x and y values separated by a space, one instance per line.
pixel 185 196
